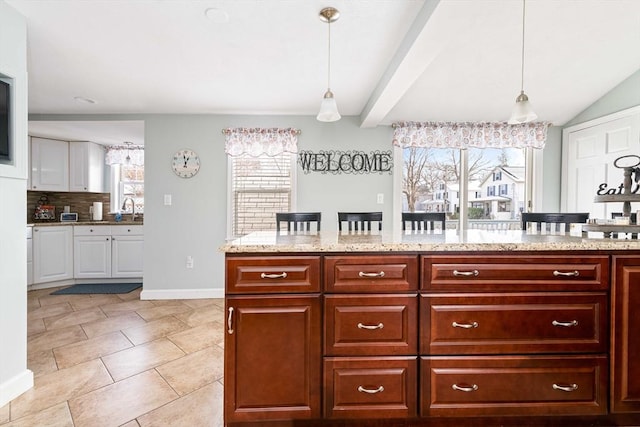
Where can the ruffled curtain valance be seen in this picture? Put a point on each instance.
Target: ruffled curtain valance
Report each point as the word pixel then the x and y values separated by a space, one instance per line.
pixel 465 135
pixel 258 141
pixel 125 155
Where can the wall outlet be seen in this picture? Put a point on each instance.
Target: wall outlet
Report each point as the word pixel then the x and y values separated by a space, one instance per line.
pixel 167 199
pixel 189 261
pixel 380 198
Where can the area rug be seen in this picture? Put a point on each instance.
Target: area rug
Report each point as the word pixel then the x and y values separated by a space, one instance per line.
pixel 98 288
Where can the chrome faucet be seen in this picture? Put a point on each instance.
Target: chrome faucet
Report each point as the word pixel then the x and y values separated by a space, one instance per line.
pixel 133 207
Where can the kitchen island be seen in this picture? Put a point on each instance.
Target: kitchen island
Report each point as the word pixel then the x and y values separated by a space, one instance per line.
pixel 482 328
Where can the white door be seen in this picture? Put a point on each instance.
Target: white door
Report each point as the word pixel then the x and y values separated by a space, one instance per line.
pixel 589 151
pixel 52 253
pixel 127 256
pixel 49 165
pixel 92 257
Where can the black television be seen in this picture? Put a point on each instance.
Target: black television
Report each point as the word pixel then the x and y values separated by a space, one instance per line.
pixel 5 121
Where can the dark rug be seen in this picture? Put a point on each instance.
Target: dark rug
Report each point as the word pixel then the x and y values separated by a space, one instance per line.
pixel 99 288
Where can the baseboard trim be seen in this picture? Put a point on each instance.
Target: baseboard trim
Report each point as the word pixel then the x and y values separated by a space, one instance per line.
pixel 151 294
pixel 15 386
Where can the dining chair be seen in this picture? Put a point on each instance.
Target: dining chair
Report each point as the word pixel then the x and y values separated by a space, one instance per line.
pixel 359 221
pixel 298 221
pixel 551 219
pixel 423 220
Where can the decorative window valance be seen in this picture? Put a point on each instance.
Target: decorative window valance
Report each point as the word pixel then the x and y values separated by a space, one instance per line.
pixel 464 135
pixel 257 141
pixel 125 155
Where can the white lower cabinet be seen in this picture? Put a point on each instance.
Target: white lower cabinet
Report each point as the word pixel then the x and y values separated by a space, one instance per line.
pixel 52 253
pixel 108 251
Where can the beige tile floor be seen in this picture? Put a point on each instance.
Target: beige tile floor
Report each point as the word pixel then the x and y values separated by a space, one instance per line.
pixel 114 360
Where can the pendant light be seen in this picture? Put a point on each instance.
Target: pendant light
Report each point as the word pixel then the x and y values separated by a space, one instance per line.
pixel 522 111
pixel 328 107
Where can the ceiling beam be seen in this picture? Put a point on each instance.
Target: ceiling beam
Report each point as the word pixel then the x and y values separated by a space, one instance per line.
pixel 414 55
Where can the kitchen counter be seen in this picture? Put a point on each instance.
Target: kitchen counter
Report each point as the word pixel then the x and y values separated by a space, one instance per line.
pixel 451 240
pixel 52 223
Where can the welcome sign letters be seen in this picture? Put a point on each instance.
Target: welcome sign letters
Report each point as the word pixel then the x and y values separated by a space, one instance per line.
pixel 335 162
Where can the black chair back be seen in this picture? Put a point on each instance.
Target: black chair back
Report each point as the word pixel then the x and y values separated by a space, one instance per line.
pixel 298 221
pixel 359 221
pixel 553 218
pixel 423 220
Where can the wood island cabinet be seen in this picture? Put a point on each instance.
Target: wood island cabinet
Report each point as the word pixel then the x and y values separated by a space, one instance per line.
pixel 373 338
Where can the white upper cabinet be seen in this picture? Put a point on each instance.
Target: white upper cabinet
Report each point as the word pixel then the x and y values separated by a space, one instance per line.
pixel 86 167
pixel 49 165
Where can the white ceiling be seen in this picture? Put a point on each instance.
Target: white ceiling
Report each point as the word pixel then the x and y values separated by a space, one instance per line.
pixel 391 60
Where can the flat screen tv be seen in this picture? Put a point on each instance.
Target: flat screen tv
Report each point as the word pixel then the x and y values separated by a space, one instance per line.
pixel 5 121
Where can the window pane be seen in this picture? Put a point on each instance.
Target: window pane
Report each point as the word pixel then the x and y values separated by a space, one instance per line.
pixel 132 186
pixel 261 186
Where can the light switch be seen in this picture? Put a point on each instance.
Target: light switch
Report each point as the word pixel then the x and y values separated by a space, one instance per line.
pixel 380 198
pixel 167 199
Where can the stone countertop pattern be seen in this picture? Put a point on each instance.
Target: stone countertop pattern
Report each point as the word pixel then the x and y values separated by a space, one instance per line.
pixel 451 240
pixel 52 223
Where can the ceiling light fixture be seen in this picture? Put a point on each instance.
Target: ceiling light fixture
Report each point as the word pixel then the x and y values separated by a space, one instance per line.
pixel 328 107
pixel 128 158
pixel 522 111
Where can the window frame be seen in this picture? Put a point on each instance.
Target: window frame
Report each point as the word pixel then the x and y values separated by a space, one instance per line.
pixel 230 210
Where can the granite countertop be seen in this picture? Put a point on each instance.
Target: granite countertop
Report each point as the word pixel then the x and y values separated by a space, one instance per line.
pixel 52 223
pixel 451 240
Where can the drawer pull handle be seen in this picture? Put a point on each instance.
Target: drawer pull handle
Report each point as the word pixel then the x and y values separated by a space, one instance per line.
pixel 466 389
pixel 465 325
pixel 370 391
pixel 466 273
pixel 363 274
pixel 370 327
pixel 567 388
pixel 282 275
pixel 230 321
pixel 574 273
pixel 565 324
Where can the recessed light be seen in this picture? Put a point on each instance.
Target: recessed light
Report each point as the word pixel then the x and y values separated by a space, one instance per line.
pixel 216 15
pixel 83 100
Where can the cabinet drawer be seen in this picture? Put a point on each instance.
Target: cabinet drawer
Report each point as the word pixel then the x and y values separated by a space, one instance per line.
pixel 384 387
pixel 388 273
pixel 514 323
pixel 521 272
pixel 273 274
pixel 127 230
pixel 534 385
pixel 92 230
pixel 371 325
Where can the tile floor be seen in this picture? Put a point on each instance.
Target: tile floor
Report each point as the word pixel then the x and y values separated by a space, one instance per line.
pixel 114 360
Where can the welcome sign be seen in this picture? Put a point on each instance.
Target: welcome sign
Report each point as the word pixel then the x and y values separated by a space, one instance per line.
pixel 335 162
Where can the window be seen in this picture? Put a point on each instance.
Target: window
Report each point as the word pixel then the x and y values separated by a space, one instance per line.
pixel 504 189
pixel 491 191
pixel 497 175
pixel 127 181
pixel 260 186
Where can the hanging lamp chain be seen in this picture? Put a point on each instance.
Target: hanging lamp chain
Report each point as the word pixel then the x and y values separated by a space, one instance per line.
pixel 329 57
pixel 524 4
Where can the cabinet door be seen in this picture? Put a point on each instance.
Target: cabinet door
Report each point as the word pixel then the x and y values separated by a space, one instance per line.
pixel 625 352
pixel 49 165
pixel 92 257
pixel 127 256
pixel 52 253
pixel 272 358
pixel 86 167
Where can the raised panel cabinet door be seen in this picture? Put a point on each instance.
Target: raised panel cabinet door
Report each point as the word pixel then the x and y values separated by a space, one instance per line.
pixel 49 165
pixel 127 256
pixel 91 257
pixel 272 358
pixel 86 167
pixel 625 345
pixel 52 253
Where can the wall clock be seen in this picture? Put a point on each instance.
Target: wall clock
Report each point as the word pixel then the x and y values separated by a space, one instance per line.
pixel 185 163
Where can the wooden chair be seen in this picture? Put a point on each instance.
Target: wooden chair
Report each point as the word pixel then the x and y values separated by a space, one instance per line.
pixel 359 221
pixel 423 220
pixel 299 221
pixel 550 219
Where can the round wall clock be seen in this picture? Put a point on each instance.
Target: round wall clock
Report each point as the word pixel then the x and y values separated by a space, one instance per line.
pixel 185 163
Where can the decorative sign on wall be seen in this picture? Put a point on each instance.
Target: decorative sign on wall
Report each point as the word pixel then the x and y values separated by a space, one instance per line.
pixel 630 165
pixel 335 162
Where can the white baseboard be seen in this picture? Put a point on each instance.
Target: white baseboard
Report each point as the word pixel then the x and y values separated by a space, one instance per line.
pixel 14 387
pixel 148 294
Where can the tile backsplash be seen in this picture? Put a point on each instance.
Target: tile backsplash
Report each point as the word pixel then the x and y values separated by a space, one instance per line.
pixel 78 202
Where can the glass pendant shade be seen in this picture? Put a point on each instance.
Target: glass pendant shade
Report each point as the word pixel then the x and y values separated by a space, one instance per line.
pixel 522 111
pixel 328 109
